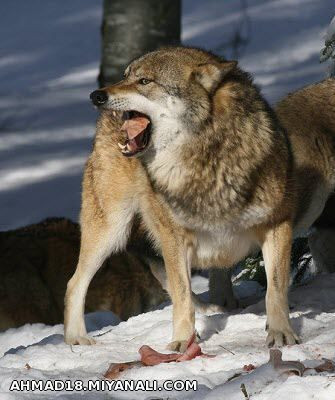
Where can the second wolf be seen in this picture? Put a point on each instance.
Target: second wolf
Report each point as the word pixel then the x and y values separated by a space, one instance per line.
pixel 218 178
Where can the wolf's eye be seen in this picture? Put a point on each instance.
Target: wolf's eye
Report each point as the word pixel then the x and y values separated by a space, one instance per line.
pixel 144 81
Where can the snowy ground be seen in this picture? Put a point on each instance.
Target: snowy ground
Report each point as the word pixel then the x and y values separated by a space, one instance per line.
pixel 237 339
pixel 49 63
pixel 48 66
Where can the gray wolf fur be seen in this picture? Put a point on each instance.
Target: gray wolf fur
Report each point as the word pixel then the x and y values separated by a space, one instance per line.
pixel 214 176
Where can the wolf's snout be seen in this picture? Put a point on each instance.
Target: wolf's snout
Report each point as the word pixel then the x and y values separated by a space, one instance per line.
pixel 99 97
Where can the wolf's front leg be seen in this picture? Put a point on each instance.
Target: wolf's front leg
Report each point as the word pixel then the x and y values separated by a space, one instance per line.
pixel 93 252
pixel 178 270
pixel 277 252
pixel 99 237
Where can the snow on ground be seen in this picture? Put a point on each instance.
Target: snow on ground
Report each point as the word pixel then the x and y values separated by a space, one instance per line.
pixel 49 62
pixel 48 66
pixel 237 339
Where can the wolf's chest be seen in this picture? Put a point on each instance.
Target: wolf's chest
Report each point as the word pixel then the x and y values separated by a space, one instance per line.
pixel 222 248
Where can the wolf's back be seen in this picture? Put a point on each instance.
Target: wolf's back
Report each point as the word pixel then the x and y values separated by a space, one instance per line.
pixel 310 108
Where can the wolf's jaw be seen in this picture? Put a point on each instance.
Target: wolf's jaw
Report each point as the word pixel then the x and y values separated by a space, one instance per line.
pixel 138 129
pixel 160 130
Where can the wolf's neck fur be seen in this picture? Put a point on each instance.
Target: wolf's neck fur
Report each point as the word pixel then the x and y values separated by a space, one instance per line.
pixel 219 172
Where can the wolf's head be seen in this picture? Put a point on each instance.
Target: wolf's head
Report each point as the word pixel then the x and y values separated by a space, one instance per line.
pixel 163 94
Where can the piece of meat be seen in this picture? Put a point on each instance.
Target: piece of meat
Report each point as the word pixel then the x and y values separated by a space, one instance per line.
pixel 192 351
pixel 326 366
pixel 151 357
pixel 281 366
pixel 135 126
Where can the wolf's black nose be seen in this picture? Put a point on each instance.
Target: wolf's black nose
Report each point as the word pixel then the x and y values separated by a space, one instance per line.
pixel 99 97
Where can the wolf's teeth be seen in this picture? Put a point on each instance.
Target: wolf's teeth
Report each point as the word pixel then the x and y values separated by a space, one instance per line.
pixel 128 147
pixel 114 113
pixel 122 146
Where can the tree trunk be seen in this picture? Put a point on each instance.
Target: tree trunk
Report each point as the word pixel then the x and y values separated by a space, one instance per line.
pixel 131 28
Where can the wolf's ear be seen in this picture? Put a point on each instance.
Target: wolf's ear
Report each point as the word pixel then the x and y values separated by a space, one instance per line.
pixel 210 74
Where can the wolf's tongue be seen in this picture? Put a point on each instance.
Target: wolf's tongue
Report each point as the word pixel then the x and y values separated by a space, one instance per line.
pixel 132 145
pixel 135 126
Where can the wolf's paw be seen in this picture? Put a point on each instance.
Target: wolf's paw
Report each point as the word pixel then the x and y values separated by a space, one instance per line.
pixel 82 340
pixel 178 345
pixel 278 338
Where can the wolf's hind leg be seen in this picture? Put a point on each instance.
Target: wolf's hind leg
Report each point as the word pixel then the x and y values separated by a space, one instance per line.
pixel 158 270
pixel 276 252
pixel 322 238
pixel 221 295
pixel 322 245
pixel 98 240
pixel 221 288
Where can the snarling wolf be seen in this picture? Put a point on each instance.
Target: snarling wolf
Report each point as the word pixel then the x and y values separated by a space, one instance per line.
pixel 196 151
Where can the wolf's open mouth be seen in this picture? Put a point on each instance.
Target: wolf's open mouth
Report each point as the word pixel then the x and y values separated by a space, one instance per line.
pixel 137 127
